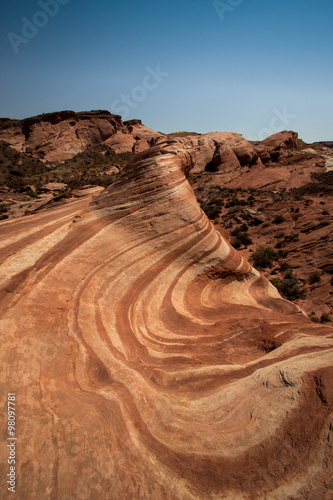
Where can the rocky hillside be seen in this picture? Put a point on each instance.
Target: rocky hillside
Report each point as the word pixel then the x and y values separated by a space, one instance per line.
pixel 59 136
pixel 149 358
pixel 283 201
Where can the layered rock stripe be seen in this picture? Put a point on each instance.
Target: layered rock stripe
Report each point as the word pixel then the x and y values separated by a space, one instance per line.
pixel 149 359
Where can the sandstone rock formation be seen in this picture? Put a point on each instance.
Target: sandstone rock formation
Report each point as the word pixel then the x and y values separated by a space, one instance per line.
pixel 61 135
pixel 149 359
pixel 281 140
pixel 275 146
pixel 218 151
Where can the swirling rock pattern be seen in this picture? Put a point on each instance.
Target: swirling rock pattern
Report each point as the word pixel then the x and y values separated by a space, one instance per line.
pixel 150 360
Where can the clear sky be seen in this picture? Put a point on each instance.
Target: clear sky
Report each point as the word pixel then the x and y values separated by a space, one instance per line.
pixel 247 66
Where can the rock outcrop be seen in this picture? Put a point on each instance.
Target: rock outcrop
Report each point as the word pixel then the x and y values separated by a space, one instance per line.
pixel 274 147
pixel 149 359
pixel 61 135
pixel 218 151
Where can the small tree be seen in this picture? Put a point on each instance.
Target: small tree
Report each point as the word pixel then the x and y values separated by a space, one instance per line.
pixel 264 257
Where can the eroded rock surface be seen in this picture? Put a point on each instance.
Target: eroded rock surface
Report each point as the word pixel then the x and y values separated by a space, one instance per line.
pixel 61 135
pixel 149 359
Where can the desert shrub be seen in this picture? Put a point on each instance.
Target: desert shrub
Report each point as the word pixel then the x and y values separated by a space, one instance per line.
pixel 242 238
pixel 239 229
pixel 235 202
pixel 314 278
pixel 235 243
pixel 3 208
pixel 3 216
pixel 289 286
pixel 211 210
pixel 264 257
pixel 284 266
pixel 32 194
pixel 278 219
pixel 325 212
pixel 282 254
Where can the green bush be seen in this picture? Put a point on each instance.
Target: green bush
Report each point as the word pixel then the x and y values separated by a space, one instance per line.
pixel 289 286
pixel 241 236
pixel 264 257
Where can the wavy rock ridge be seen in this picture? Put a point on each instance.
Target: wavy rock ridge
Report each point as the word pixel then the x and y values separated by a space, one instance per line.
pixel 150 360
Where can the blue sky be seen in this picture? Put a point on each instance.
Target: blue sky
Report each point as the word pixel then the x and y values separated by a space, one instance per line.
pixel 247 66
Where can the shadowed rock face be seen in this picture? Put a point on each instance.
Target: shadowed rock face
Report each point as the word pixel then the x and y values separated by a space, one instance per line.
pixel 150 360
